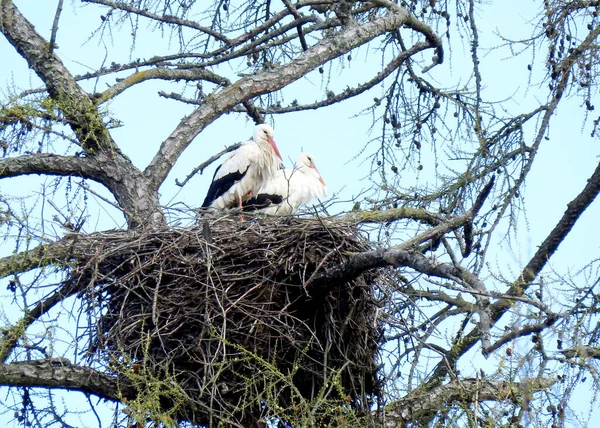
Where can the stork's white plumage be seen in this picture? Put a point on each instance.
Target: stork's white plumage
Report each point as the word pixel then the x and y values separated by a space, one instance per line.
pixel 290 188
pixel 244 172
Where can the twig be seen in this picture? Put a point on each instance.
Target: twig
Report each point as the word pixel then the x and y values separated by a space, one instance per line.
pixel 253 112
pixel 52 43
pixel 297 15
pixel 200 168
pixel 163 18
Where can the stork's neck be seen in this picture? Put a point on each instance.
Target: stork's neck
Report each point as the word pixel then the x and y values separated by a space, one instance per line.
pixel 262 143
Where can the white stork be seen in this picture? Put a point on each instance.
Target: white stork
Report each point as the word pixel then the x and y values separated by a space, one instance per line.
pixel 244 171
pixel 289 188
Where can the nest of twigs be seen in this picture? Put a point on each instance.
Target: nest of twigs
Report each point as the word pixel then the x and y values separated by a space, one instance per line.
pixel 231 313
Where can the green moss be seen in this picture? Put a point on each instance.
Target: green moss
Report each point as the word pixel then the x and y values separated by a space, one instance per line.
pixel 155 386
pixel 11 335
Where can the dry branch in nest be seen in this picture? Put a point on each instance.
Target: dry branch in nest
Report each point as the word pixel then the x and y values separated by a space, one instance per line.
pixel 228 312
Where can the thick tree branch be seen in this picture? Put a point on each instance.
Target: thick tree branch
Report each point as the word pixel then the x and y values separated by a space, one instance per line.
pixel 394 214
pixel 137 202
pixel 396 256
pixel 253 112
pixel 422 403
pixel 52 165
pixel 40 256
pixel 163 74
pixel 526 330
pixel 582 352
pixel 399 255
pixel 574 210
pixel 74 246
pixel 60 373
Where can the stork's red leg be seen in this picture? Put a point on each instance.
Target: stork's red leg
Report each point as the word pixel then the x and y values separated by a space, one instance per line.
pixel 240 205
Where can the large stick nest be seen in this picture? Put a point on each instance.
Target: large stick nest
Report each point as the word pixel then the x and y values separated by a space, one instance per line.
pixel 230 311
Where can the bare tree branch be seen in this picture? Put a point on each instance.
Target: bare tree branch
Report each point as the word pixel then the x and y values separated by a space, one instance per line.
pixel 399 255
pixel 351 92
pixel 200 168
pixel 582 352
pixel 520 332
pixel 422 403
pixel 55 26
pixel 51 164
pixel 73 246
pixel 394 214
pixel 253 112
pixel 163 74
pixel 40 256
pixel 297 15
pixel 60 373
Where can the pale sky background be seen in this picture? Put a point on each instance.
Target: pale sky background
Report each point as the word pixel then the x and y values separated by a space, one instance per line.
pixel 332 134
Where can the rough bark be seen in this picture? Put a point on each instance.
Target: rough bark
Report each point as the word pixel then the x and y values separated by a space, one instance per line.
pixel 50 164
pixel 422 403
pixel 60 373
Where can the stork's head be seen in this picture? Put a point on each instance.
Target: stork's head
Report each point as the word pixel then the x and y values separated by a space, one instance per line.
pixel 308 160
pixel 263 134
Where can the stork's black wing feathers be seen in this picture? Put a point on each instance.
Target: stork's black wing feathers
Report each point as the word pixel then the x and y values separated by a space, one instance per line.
pixel 222 184
pixel 262 200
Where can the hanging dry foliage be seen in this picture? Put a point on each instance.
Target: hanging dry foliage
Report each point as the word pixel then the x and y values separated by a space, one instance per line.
pixel 229 313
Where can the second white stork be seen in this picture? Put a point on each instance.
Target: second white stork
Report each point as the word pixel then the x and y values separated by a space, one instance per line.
pixel 290 188
pixel 243 173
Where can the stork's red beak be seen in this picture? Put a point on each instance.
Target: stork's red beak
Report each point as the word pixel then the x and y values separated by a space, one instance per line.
pixel 320 178
pixel 272 143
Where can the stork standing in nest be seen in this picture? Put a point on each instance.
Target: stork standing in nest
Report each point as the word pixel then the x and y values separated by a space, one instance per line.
pixel 290 188
pixel 244 171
